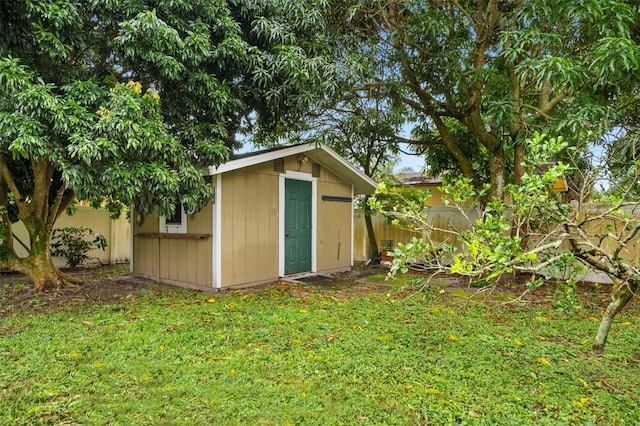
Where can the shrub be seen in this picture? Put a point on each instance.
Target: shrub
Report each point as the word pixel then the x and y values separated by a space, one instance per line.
pixel 74 243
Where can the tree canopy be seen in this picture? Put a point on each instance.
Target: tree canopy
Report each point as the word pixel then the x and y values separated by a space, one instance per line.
pixel 360 129
pixel 494 72
pixel 122 101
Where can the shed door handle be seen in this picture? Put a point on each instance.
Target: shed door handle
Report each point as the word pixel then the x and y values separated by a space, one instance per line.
pixel 286 234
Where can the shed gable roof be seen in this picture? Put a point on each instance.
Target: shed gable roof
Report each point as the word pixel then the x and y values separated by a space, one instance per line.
pixel 321 154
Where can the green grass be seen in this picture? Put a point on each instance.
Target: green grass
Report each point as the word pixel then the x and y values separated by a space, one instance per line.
pixel 306 355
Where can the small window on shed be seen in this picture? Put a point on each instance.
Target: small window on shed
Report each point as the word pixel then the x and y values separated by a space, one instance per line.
pixel 176 222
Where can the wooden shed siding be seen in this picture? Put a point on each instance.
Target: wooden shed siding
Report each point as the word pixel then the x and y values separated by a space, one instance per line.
pixel 200 223
pixel 249 235
pixel 250 219
pixel 186 261
pixel 145 257
pixel 176 260
pixel 334 226
pixel 146 251
pixel 250 225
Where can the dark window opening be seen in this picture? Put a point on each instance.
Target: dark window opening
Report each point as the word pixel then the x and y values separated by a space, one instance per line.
pixel 175 218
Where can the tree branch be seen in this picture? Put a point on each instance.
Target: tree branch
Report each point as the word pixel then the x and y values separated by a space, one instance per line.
pixel 544 110
pixel 55 208
pixel 465 164
pixel 417 142
pixel 40 187
pixel 6 175
pixel 540 113
pixel 593 255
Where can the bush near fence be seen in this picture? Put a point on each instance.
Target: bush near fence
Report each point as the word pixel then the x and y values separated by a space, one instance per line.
pixel 117 232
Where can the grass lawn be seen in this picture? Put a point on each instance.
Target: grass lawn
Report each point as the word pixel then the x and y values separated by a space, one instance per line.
pixel 351 352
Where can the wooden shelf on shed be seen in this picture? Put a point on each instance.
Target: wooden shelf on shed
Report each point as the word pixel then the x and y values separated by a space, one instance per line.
pixel 174 236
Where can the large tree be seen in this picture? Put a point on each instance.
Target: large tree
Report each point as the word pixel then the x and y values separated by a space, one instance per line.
pixel 363 131
pixel 122 101
pixel 494 71
pixel 622 153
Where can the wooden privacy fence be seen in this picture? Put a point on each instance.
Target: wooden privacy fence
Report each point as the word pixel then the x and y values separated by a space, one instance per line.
pixel 631 250
pixel 117 232
pixel 443 218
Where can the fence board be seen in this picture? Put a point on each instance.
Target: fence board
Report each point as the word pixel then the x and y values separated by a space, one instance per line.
pixel 117 232
pixel 443 218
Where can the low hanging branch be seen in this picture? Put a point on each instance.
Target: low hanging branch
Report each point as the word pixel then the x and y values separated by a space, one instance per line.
pixel 528 236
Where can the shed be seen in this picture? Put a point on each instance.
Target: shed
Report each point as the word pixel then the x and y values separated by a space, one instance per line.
pixel 274 213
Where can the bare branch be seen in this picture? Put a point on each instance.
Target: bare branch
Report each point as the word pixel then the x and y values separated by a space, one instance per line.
pixel 540 113
pixel 6 175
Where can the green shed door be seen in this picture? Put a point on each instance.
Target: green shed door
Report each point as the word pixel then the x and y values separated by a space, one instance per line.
pixel 297 226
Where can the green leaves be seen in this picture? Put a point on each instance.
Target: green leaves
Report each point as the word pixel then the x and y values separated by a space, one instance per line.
pixel 74 243
pixel 493 238
pixel 122 102
pixel 559 71
pixel 614 59
pixel 127 125
pixel 477 79
pixel 120 151
pixel 30 113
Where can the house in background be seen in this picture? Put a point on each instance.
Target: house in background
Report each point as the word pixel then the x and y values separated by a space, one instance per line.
pixel 417 180
pixel 559 186
pixel 274 213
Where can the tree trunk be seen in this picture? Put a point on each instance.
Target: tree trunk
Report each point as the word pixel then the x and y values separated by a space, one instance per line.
pixel 519 155
pixel 374 254
pixel 448 142
pixel 6 240
pixel 39 265
pixel 622 292
pixel 38 213
pixel 497 171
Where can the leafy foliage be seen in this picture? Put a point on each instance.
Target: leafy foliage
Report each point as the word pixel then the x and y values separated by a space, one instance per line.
pixel 393 196
pixel 73 244
pixel 496 238
pixel 539 234
pixel 623 166
pixel 124 102
pixel 477 78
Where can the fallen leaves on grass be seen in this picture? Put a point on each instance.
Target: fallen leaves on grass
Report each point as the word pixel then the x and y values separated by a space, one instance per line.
pixel 543 360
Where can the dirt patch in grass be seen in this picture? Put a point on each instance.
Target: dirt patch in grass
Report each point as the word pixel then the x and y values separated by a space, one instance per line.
pixel 103 285
pixel 111 284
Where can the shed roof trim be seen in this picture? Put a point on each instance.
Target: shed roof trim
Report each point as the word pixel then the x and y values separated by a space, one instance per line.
pixel 320 153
